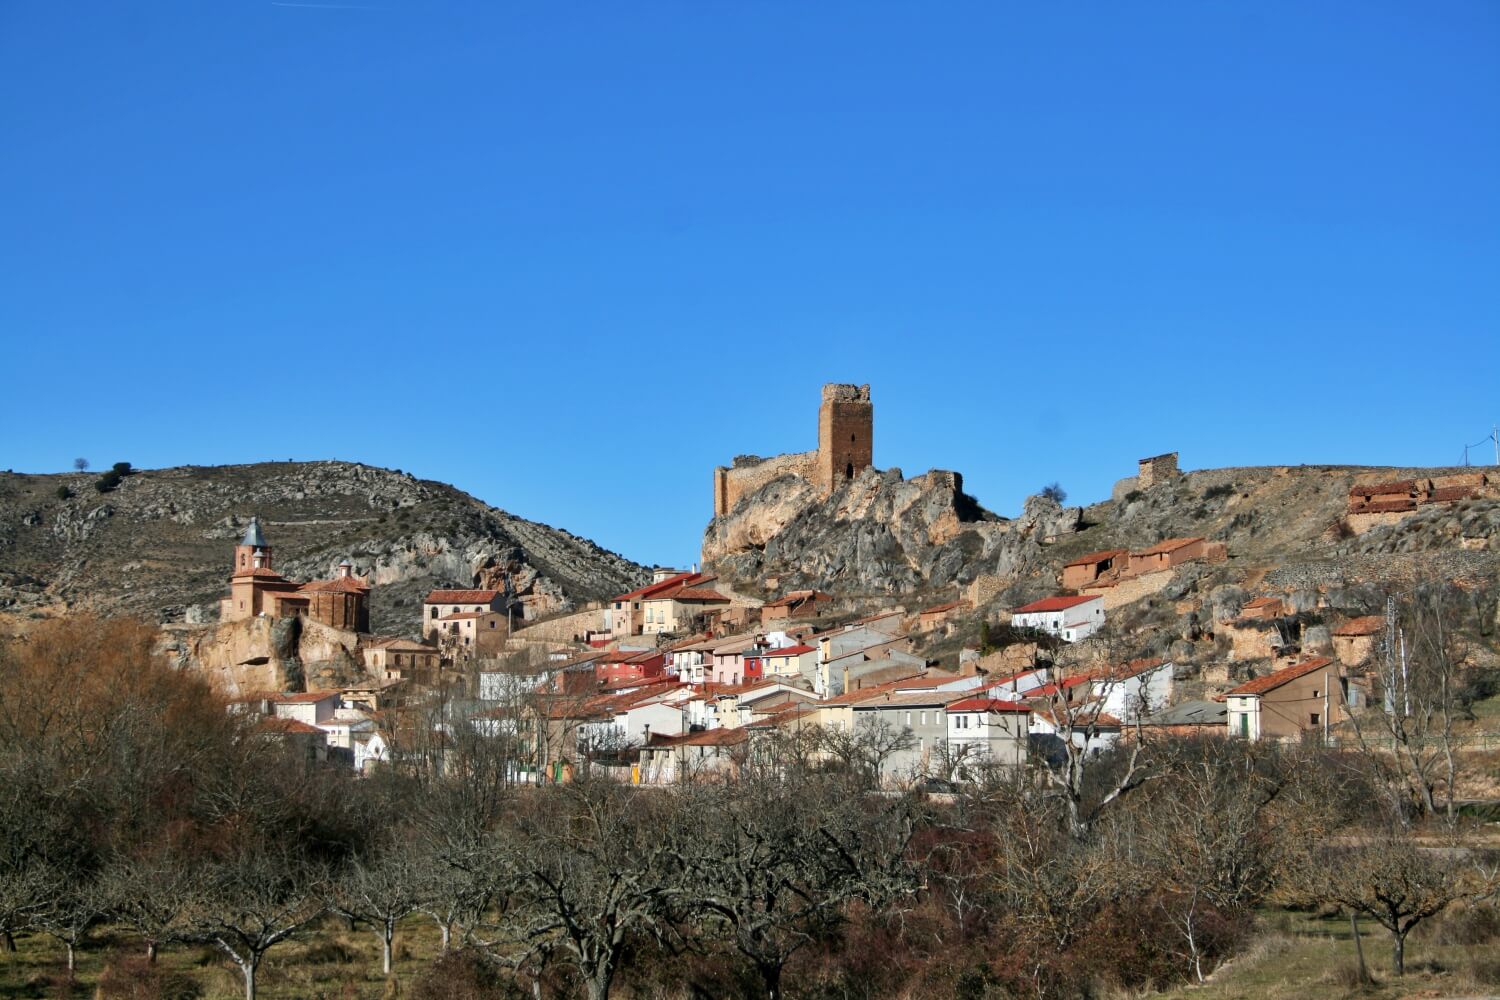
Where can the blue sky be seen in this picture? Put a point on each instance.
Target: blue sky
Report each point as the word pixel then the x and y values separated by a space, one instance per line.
pixel 569 257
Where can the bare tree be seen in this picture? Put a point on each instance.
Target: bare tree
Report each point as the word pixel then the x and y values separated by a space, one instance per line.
pixel 1388 877
pixel 592 865
pixel 78 906
pixel 81 464
pixel 380 891
pixel 151 896
pixel 775 861
pixel 1420 666
pixel 253 903
pixel 865 748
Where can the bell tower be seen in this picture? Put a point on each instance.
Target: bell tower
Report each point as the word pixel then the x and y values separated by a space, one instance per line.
pixel 252 552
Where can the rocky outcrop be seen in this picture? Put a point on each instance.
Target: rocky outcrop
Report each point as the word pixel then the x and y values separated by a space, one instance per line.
pixel 879 534
pixel 159 546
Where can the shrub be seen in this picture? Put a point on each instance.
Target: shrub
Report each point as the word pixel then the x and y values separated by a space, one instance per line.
pixel 122 469
pixel 1133 496
pixel 462 975
pixel 131 977
pixel 1052 491
pixel 63 493
pixel 1215 492
pixel 107 482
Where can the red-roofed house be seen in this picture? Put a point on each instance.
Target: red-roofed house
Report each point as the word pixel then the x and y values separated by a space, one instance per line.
pixel 624 665
pixel 680 608
pixel 986 730
pixel 1166 554
pixel 626 614
pixel 790 661
pixel 1305 696
pixel 1093 567
pixel 442 603
pixel 1069 618
pixel 1354 641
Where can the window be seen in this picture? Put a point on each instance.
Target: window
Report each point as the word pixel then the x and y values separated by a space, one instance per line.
pixel 908 718
pixel 924 718
pixel 434 612
pixel 1315 718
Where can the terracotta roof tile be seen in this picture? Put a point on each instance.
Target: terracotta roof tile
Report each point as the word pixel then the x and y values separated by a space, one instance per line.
pixel 1054 604
pixel 1097 557
pixel 1271 682
pixel 1363 625
pixel 462 596
pixel 1168 545
pixel 987 705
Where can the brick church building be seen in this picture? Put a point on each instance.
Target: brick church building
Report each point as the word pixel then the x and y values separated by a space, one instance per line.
pixel 255 588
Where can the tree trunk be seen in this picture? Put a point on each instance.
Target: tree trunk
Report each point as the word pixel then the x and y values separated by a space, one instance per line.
pixel 599 983
pixel 1359 949
pixel 150 952
pixel 72 959
pixel 770 977
pixel 9 940
pixel 1398 952
pixel 248 968
pixel 445 932
pixel 387 933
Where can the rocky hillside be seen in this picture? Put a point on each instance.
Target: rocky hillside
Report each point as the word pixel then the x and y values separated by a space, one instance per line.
pixel 160 545
pixel 877 535
pixel 924 537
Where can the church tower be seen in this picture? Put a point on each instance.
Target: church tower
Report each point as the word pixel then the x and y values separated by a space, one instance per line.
pixel 846 435
pixel 252 552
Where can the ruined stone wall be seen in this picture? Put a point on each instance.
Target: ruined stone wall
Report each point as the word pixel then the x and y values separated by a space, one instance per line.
pixel 749 475
pixel 846 435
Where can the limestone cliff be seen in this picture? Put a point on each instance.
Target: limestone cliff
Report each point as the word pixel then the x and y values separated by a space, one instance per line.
pixel 878 534
pixel 160 545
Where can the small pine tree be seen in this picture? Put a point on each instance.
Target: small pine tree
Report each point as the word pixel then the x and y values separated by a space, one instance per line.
pixel 63 493
pixel 984 639
pixel 122 469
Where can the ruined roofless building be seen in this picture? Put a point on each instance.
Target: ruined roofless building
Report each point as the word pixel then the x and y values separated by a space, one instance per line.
pixel 846 435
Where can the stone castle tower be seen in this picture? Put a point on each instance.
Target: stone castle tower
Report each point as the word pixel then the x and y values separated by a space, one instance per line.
pixel 846 447
pixel 846 435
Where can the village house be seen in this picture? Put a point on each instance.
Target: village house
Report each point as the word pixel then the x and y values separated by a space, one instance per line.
pixel 665 760
pixel 1130 690
pixel 1303 697
pixel 441 604
pixel 1166 554
pixel 690 660
pixel 1189 719
pixel 939 614
pixel 790 661
pixel 626 614
pixel 921 713
pixel 465 636
pixel 307 742
pixel 797 604
pixel 986 731
pixel 680 608
pixel 1355 641
pixel 1092 729
pixel 393 658
pixel 624 665
pixel 1263 609
pixel 310 707
pixel 1094 567
pixel 1068 618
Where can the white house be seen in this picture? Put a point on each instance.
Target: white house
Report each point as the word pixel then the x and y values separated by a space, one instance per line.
pixel 1134 689
pixel 1069 618
pixel 310 707
pixel 983 731
pixel 1094 730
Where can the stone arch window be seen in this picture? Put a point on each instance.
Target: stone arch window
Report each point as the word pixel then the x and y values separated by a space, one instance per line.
pixel 849 471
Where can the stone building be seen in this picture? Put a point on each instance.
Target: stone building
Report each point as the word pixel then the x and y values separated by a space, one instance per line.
pixel 1157 469
pixel 255 589
pixel 846 434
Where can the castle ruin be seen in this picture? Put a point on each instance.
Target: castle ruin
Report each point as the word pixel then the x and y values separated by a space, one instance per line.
pixel 846 432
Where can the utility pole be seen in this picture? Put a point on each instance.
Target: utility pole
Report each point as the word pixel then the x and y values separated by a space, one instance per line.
pixel 1495 437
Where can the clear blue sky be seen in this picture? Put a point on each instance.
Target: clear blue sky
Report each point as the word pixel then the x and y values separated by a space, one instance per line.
pixel 569 257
